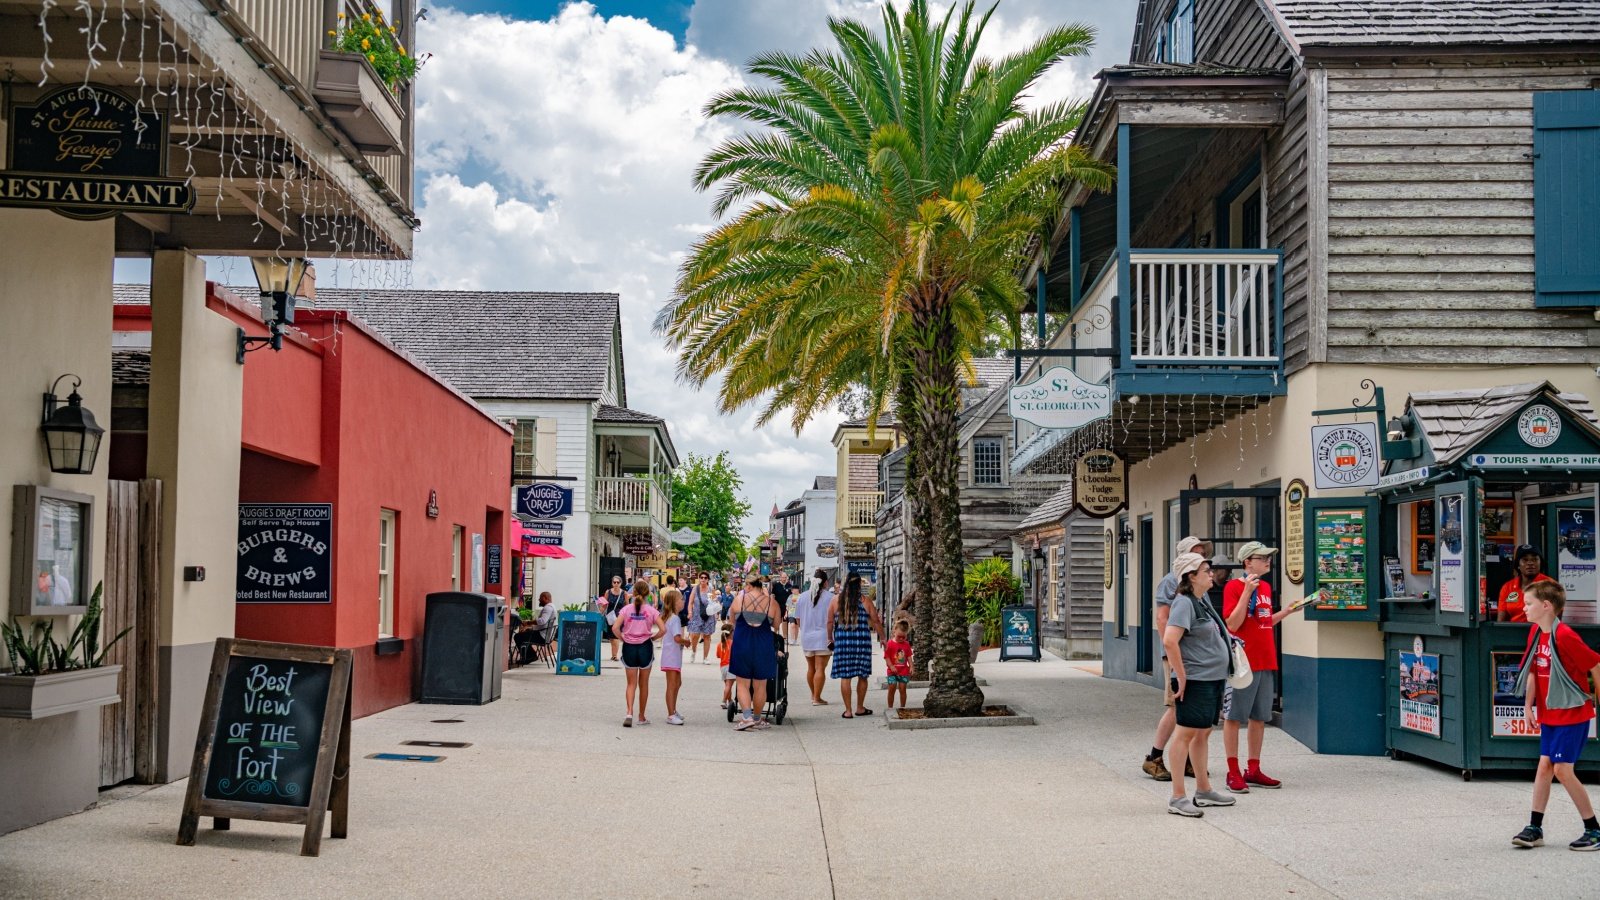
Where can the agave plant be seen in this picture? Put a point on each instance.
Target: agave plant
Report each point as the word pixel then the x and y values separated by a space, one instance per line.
pixel 38 652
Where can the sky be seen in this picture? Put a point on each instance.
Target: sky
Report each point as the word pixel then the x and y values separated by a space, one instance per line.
pixel 555 143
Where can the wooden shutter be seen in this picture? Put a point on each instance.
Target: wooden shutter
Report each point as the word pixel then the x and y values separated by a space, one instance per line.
pixel 544 452
pixel 1566 195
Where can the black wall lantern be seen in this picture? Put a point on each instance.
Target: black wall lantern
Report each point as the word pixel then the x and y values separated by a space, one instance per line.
pixel 71 435
pixel 1124 534
pixel 279 281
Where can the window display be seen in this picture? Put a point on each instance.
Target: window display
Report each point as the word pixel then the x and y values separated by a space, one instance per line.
pixel 53 570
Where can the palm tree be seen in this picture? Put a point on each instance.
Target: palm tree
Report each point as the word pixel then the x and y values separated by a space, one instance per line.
pixel 882 218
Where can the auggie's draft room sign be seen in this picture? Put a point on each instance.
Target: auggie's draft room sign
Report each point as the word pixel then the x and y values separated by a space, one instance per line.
pixel 88 152
pixel 274 741
pixel 1058 398
pixel 285 553
pixel 544 500
pixel 1100 483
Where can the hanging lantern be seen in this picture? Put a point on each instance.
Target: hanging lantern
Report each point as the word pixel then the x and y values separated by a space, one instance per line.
pixel 71 435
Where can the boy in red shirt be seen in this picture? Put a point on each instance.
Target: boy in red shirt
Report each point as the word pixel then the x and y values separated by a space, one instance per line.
pixel 1559 702
pixel 897 658
pixel 1247 608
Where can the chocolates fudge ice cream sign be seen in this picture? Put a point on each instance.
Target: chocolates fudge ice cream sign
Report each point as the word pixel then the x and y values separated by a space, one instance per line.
pixel 285 553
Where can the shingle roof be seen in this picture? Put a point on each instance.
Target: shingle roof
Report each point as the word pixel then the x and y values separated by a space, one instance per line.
pixel 622 414
pixel 825 483
pixel 1355 23
pixel 1453 422
pixel 130 367
pixel 496 344
pixel 1187 70
pixel 125 294
pixel 1049 512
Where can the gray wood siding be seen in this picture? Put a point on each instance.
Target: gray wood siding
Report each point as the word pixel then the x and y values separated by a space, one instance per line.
pixel 1231 32
pixel 1086 577
pixel 1286 169
pixel 1430 227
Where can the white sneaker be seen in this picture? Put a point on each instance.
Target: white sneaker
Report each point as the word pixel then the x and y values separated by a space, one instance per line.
pixel 674 719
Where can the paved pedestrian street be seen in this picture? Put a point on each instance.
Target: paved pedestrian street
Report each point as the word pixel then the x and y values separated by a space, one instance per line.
pixel 555 798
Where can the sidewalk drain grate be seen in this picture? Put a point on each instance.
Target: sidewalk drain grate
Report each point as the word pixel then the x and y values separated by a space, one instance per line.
pixel 448 721
pixel 455 744
pixel 404 757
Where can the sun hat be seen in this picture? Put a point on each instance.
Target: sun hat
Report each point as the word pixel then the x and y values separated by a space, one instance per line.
pixel 1188 544
pixel 1255 548
pixel 1186 563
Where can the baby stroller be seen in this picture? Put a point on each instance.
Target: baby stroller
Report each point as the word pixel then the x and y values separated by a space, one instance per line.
pixel 777 691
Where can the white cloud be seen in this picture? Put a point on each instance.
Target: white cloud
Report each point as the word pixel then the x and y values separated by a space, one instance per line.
pixel 557 155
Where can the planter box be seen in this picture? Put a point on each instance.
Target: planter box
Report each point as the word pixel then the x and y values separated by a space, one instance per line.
pixel 39 696
pixel 353 96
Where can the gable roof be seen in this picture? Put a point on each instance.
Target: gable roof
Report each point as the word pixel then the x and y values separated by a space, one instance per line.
pixel 825 483
pixel 621 415
pixel 514 345
pixel 1049 512
pixel 1453 422
pixel 1435 23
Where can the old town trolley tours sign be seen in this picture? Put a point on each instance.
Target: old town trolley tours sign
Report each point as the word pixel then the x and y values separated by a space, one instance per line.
pixel 89 152
pixel 274 740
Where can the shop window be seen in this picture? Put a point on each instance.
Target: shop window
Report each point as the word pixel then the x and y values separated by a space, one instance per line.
pixel 457 539
pixel 387 533
pixel 987 468
pixel 1050 576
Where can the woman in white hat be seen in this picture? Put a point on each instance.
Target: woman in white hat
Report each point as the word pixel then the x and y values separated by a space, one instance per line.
pixel 1197 649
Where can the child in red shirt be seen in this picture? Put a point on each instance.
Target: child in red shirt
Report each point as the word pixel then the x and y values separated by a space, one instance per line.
pixel 897 657
pixel 1559 702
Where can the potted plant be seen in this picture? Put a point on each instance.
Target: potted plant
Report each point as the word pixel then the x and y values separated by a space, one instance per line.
pixel 358 77
pixel 990 587
pixel 49 678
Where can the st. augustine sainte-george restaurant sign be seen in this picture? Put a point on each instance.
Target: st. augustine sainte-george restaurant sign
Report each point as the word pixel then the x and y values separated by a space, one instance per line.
pixel 87 152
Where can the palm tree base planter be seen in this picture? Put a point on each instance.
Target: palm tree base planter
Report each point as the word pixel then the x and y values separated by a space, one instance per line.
pixel 353 96
pixel 920 685
pixel 995 715
pixel 57 693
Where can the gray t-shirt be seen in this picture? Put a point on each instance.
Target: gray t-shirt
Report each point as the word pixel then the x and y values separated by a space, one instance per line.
pixel 1204 650
pixel 1166 589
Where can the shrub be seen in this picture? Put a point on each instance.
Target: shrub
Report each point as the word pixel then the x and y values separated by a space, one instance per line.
pixel 379 42
pixel 990 586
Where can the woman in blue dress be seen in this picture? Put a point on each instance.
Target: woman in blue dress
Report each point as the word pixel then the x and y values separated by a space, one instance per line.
pixel 753 658
pixel 851 622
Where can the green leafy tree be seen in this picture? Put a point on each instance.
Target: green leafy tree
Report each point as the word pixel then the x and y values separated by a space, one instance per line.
pixel 883 213
pixel 705 497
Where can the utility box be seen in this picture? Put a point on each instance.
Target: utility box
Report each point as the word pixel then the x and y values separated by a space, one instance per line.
pixel 462 642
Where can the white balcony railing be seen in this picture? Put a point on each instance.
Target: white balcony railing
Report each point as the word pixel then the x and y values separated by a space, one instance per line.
pixel 1217 308
pixel 630 497
pixel 861 509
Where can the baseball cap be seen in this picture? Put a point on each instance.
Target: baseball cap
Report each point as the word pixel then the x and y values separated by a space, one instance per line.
pixel 1188 544
pixel 1527 550
pixel 1186 563
pixel 1254 548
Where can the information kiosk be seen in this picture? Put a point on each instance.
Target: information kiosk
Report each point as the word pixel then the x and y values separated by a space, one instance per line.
pixel 1475 478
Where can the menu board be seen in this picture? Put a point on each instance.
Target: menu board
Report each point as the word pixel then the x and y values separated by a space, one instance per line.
pixel 274 741
pixel 1019 633
pixel 578 643
pixel 1341 544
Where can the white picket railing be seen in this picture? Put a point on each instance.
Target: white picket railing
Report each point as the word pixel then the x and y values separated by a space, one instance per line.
pixel 630 497
pixel 1204 308
pixel 861 508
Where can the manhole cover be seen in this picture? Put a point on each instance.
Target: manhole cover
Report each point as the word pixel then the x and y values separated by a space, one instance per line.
pixel 404 757
pixel 457 744
pixel 448 721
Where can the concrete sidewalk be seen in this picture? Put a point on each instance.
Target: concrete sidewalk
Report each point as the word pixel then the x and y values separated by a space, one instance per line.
pixel 555 798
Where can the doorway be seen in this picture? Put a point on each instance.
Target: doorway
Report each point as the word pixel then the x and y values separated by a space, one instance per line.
pixel 1147 595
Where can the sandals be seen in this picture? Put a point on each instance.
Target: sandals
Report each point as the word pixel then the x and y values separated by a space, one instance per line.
pixel 847 714
pixel 863 712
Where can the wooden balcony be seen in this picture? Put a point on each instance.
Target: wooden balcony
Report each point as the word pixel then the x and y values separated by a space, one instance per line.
pixel 861 509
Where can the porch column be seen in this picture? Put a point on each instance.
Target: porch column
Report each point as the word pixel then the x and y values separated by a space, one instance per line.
pixel 196 403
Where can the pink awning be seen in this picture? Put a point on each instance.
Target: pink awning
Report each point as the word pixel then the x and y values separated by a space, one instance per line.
pixel 547 551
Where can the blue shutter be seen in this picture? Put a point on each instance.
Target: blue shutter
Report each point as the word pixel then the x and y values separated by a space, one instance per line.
pixel 1566 198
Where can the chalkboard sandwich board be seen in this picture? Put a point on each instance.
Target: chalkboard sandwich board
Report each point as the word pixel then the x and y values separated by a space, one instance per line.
pixel 274 741
pixel 578 643
pixel 1019 633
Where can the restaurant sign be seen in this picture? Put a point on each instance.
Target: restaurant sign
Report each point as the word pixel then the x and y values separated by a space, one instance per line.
pixel 544 500
pixel 547 534
pixel 1100 483
pixel 1060 399
pixel 1294 532
pixel 285 553
pixel 89 152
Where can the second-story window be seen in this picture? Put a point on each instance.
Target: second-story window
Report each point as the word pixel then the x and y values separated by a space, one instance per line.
pixel 1175 40
pixel 986 465
pixel 533 449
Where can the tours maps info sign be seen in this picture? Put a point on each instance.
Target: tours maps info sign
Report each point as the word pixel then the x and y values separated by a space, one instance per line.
pixel 274 741
pixel 1058 398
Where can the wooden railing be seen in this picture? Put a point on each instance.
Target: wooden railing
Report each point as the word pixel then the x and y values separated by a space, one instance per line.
pixel 861 508
pixel 630 497
pixel 1215 308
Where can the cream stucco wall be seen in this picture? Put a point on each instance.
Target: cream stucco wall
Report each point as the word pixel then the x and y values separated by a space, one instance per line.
pixel 1273 444
pixel 55 318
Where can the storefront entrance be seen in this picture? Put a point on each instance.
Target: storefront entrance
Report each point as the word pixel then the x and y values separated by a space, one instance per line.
pixel 1237 517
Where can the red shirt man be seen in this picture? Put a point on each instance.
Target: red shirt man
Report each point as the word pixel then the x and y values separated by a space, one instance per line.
pixel 1260 643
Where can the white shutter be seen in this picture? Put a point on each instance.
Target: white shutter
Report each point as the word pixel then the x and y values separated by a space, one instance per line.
pixel 545 447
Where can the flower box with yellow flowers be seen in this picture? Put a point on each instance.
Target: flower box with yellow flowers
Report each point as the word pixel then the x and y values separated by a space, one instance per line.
pixel 357 79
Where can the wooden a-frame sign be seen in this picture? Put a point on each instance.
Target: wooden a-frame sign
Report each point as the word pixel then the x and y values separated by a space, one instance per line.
pixel 274 740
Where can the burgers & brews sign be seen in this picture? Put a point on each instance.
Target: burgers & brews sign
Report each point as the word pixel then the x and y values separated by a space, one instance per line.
pixel 88 152
pixel 285 553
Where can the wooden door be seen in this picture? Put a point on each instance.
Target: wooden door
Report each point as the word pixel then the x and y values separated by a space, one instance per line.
pixel 131 600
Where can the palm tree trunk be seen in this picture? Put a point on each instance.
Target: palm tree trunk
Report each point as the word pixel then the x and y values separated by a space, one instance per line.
pixel 955 692
pixel 919 553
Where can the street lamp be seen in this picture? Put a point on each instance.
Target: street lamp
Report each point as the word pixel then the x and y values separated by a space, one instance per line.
pixel 71 435
pixel 279 280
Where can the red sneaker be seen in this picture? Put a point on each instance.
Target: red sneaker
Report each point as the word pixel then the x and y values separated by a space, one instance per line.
pixel 1236 783
pixel 1260 779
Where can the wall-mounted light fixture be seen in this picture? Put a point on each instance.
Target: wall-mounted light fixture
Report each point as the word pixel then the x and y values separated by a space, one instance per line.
pixel 1125 535
pixel 71 435
pixel 279 280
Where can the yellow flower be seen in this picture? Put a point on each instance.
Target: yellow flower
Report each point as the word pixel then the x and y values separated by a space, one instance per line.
pixel 366 44
pixel 372 57
pixel 332 33
pixel 391 29
pixel 366 17
pixel 341 15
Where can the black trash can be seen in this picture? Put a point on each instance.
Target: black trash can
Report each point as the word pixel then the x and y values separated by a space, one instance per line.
pixel 461 641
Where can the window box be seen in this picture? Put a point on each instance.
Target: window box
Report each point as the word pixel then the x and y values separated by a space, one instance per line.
pixel 353 95
pixel 40 696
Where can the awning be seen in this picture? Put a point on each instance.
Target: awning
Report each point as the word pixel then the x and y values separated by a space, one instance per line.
pixel 546 551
